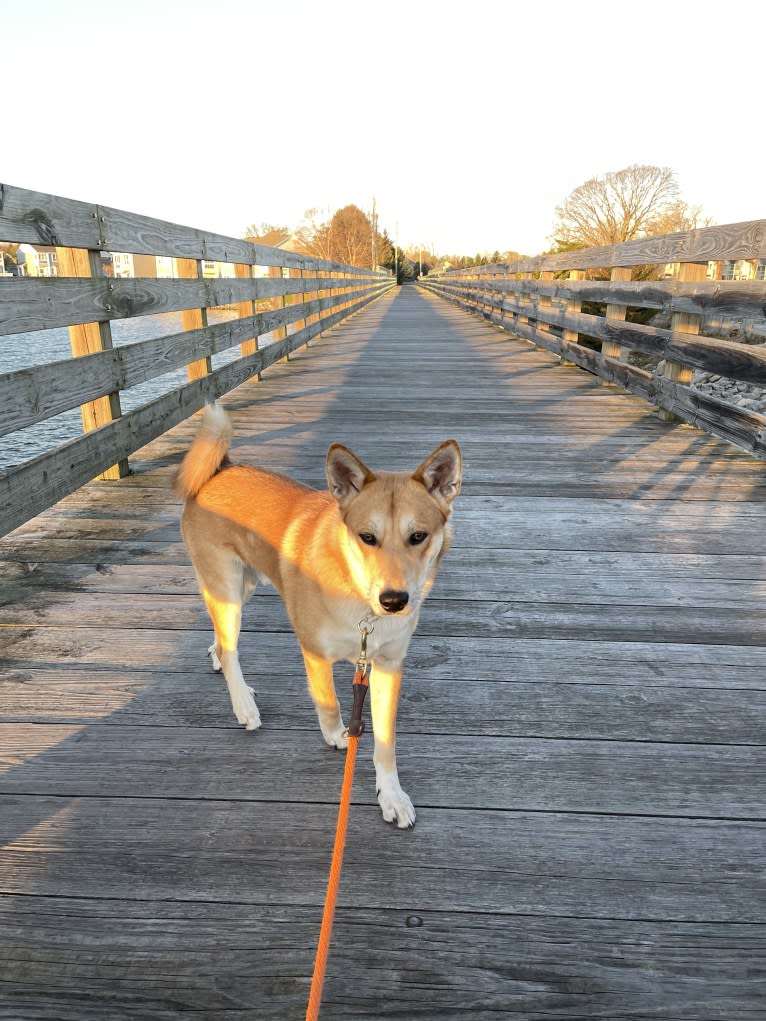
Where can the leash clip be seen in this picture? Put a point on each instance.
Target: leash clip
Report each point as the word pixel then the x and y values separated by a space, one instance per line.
pixel 363 663
pixel 361 682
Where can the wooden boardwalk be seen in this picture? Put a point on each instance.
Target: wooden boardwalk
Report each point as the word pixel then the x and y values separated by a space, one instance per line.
pixel 582 728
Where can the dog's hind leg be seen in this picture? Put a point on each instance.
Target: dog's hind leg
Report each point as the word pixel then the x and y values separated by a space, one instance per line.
pixel 224 604
pixel 322 690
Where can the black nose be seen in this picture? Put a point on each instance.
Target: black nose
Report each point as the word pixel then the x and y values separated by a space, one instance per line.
pixel 393 601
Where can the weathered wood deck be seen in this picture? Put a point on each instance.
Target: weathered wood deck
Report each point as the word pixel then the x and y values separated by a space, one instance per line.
pixel 582 729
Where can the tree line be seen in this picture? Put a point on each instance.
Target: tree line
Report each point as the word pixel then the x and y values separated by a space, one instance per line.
pixel 638 201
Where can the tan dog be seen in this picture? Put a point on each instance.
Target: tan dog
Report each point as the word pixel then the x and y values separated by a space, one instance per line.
pixel 363 555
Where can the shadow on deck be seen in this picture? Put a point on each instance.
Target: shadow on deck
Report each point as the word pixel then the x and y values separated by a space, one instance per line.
pixel 581 730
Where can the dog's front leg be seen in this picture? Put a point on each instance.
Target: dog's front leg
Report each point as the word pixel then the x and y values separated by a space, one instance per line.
pixel 322 690
pixel 385 683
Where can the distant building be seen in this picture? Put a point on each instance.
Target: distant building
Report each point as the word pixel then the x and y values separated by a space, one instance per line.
pixel 36 261
pixel 284 239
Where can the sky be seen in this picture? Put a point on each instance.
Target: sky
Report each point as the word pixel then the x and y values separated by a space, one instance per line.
pixel 467 122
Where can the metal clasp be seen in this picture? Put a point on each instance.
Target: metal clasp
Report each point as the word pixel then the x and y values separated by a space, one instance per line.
pixel 366 626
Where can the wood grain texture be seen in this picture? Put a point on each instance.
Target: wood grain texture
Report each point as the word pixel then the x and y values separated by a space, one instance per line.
pixel 582 727
pixel 38 218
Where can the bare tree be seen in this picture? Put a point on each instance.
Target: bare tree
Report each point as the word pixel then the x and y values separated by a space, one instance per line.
pixel 639 201
pixel 346 237
pixel 260 230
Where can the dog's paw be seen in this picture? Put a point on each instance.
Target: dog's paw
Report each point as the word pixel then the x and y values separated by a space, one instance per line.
pixel 331 725
pixel 396 805
pixel 336 737
pixel 246 710
pixel 214 660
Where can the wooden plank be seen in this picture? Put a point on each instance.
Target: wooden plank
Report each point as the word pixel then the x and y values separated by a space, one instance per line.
pixel 741 625
pixel 528 575
pixel 38 218
pixel 627 706
pixel 514 863
pixel 730 299
pixel 40 303
pixel 746 240
pixel 441 658
pixel 617 778
pixel 162 960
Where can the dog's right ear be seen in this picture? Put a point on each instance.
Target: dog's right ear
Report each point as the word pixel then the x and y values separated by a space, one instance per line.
pixel 346 474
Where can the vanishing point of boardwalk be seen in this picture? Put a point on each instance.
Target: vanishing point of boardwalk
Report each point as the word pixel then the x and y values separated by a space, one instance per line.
pixel 581 731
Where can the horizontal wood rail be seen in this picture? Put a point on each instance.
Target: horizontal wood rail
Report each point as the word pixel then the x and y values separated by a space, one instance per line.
pixel 267 293
pixel 583 306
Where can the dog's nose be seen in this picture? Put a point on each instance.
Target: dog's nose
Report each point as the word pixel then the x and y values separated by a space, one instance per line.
pixel 393 601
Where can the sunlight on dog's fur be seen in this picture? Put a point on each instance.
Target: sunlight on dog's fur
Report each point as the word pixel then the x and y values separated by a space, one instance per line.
pixel 368 549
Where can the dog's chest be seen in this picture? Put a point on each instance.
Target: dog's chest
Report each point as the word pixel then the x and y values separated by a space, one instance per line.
pixel 387 637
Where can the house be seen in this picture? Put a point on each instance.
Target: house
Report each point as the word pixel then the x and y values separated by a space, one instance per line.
pixel 287 240
pixel 36 261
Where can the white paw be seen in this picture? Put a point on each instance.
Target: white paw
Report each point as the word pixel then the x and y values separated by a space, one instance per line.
pixel 245 709
pixel 395 804
pixel 214 660
pixel 336 737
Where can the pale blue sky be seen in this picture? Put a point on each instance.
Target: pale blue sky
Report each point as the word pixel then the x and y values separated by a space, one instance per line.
pixel 469 123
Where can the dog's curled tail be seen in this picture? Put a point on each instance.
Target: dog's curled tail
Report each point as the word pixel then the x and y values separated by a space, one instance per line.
pixel 207 454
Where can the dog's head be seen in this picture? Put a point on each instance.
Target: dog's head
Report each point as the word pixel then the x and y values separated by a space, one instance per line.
pixel 397 524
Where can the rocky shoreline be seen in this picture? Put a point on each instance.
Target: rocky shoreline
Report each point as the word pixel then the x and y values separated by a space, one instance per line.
pixel 747 396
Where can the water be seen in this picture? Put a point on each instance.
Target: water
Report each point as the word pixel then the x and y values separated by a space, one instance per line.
pixel 24 350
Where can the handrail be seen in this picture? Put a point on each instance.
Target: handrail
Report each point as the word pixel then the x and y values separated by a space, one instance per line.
pixel 286 297
pixel 584 305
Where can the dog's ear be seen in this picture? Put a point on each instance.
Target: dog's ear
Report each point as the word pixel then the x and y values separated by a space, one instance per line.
pixel 441 472
pixel 346 474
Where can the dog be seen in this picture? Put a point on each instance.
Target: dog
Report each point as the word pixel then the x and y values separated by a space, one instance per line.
pixel 360 557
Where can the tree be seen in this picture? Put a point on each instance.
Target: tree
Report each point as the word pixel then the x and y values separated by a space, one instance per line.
pixel 639 201
pixel 261 230
pixel 346 237
pixel 351 237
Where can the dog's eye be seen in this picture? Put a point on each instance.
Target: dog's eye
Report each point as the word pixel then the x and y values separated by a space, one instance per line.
pixel 417 538
pixel 368 538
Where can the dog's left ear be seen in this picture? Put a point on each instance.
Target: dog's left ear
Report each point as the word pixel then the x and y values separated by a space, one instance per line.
pixel 346 474
pixel 441 472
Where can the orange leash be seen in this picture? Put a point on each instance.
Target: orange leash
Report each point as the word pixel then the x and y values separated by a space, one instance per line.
pixel 355 729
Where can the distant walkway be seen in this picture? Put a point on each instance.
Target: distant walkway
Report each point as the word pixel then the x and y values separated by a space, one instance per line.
pixel 582 725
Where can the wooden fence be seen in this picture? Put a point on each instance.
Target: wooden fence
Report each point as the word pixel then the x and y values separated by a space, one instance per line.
pixel 267 293
pixel 643 314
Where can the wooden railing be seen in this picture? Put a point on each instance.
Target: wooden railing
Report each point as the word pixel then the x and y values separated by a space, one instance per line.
pixel 593 308
pixel 268 293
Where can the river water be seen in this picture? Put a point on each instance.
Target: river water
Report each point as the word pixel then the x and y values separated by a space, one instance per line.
pixel 23 350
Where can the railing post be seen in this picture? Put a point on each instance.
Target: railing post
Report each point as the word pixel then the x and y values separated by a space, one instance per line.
pixel 524 302
pixel 544 304
pixel 574 305
pixel 89 338
pixel 194 318
pixel 683 322
pixel 616 313
pixel 242 271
